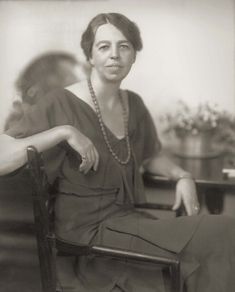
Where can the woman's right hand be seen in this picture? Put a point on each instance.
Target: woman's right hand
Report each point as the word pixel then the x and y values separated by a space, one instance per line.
pixel 84 146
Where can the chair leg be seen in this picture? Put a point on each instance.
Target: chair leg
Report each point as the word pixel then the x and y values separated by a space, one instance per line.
pixel 47 269
pixel 48 278
pixel 175 278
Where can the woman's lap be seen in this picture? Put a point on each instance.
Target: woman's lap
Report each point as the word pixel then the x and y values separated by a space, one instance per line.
pixel 210 250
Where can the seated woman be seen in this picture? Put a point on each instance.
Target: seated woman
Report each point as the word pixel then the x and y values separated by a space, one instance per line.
pixel 95 137
pixel 45 73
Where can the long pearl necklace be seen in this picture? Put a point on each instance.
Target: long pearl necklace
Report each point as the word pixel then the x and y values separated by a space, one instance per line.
pixel 102 126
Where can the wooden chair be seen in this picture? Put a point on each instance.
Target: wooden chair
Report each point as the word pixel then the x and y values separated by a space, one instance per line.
pixel 48 244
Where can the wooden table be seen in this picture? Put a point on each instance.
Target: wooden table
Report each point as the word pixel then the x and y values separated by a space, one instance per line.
pixel 210 181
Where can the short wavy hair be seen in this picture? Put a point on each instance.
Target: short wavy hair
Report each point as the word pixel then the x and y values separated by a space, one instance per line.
pixel 129 29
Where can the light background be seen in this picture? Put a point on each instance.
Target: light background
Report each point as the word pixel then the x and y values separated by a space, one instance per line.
pixel 188 46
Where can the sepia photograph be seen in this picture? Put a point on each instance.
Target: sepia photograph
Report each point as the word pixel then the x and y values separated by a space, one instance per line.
pixel 117 146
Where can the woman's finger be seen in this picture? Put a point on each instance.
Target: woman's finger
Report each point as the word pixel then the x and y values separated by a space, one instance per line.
pixel 93 158
pixel 191 204
pixel 188 194
pixel 189 207
pixel 89 162
pixel 177 202
pixel 83 163
pixel 96 159
pixel 195 206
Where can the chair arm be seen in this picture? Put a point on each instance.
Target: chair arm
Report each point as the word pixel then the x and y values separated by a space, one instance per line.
pixel 74 249
pixel 126 254
pixel 165 207
pixel 172 262
pixel 154 180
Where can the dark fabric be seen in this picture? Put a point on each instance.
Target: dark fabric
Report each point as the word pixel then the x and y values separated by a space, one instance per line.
pixel 98 207
pixel 212 246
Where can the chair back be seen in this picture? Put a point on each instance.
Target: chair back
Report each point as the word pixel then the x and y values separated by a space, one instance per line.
pixel 44 234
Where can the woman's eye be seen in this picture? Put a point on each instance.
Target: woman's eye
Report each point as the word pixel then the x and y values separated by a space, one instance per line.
pixel 124 46
pixel 104 47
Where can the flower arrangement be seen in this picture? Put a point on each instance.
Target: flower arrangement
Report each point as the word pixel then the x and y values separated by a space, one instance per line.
pixel 205 118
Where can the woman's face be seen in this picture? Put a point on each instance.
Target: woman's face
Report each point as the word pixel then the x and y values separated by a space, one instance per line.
pixel 112 54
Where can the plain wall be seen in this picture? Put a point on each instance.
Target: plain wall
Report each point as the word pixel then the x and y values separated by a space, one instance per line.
pixel 188 46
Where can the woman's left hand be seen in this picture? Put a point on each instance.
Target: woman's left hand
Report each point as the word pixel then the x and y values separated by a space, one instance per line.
pixel 186 193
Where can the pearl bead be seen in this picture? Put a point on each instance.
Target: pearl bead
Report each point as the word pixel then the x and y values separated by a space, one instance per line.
pixel 102 126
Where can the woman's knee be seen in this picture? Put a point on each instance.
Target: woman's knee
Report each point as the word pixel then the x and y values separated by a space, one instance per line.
pixel 218 225
pixel 215 233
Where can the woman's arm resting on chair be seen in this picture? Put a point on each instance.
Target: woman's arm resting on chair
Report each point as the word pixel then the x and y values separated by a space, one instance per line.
pixel 185 188
pixel 163 165
pixel 13 151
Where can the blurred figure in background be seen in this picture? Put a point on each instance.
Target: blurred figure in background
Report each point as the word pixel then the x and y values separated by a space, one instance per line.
pixel 45 73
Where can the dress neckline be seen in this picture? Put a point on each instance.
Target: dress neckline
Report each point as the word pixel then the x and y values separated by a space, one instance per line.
pixel 94 113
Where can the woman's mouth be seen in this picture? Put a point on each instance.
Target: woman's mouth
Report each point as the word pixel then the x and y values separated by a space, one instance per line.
pixel 114 66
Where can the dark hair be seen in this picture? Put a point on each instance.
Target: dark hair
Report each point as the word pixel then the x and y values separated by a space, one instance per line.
pixel 129 29
pixel 37 72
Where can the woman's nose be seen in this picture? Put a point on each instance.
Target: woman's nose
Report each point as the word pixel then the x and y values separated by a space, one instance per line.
pixel 115 52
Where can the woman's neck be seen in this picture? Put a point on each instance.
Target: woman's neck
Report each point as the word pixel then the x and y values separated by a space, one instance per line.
pixel 106 92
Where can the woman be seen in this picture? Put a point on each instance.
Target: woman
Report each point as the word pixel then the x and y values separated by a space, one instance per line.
pixel 111 132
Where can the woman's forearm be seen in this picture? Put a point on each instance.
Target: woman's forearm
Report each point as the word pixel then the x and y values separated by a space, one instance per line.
pixel 13 151
pixel 163 165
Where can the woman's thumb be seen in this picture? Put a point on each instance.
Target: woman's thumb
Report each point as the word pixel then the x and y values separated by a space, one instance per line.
pixel 177 202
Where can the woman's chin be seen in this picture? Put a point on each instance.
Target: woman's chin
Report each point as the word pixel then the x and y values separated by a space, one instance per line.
pixel 114 77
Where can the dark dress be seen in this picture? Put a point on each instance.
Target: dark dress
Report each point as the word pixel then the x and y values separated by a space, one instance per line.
pixel 99 207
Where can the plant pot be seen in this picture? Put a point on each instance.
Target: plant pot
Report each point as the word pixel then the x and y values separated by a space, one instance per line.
pixel 197 146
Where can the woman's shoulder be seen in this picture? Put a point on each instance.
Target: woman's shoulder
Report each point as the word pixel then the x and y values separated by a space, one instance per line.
pixel 79 90
pixel 50 98
pixel 60 96
pixel 136 102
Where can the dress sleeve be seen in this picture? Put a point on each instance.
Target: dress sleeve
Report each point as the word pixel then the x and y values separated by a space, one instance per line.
pixel 36 119
pixel 46 114
pixel 145 141
pixel 150 140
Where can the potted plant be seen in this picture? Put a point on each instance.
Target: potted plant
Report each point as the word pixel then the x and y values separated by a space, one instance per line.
pixel 198 128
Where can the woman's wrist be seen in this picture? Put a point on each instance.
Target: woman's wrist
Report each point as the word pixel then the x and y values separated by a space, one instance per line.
pixel 177 173
pixel 184 175
pixel 66 131
pixel 48 139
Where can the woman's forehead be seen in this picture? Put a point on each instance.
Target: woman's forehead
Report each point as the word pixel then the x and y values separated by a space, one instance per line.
pixel 108 32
